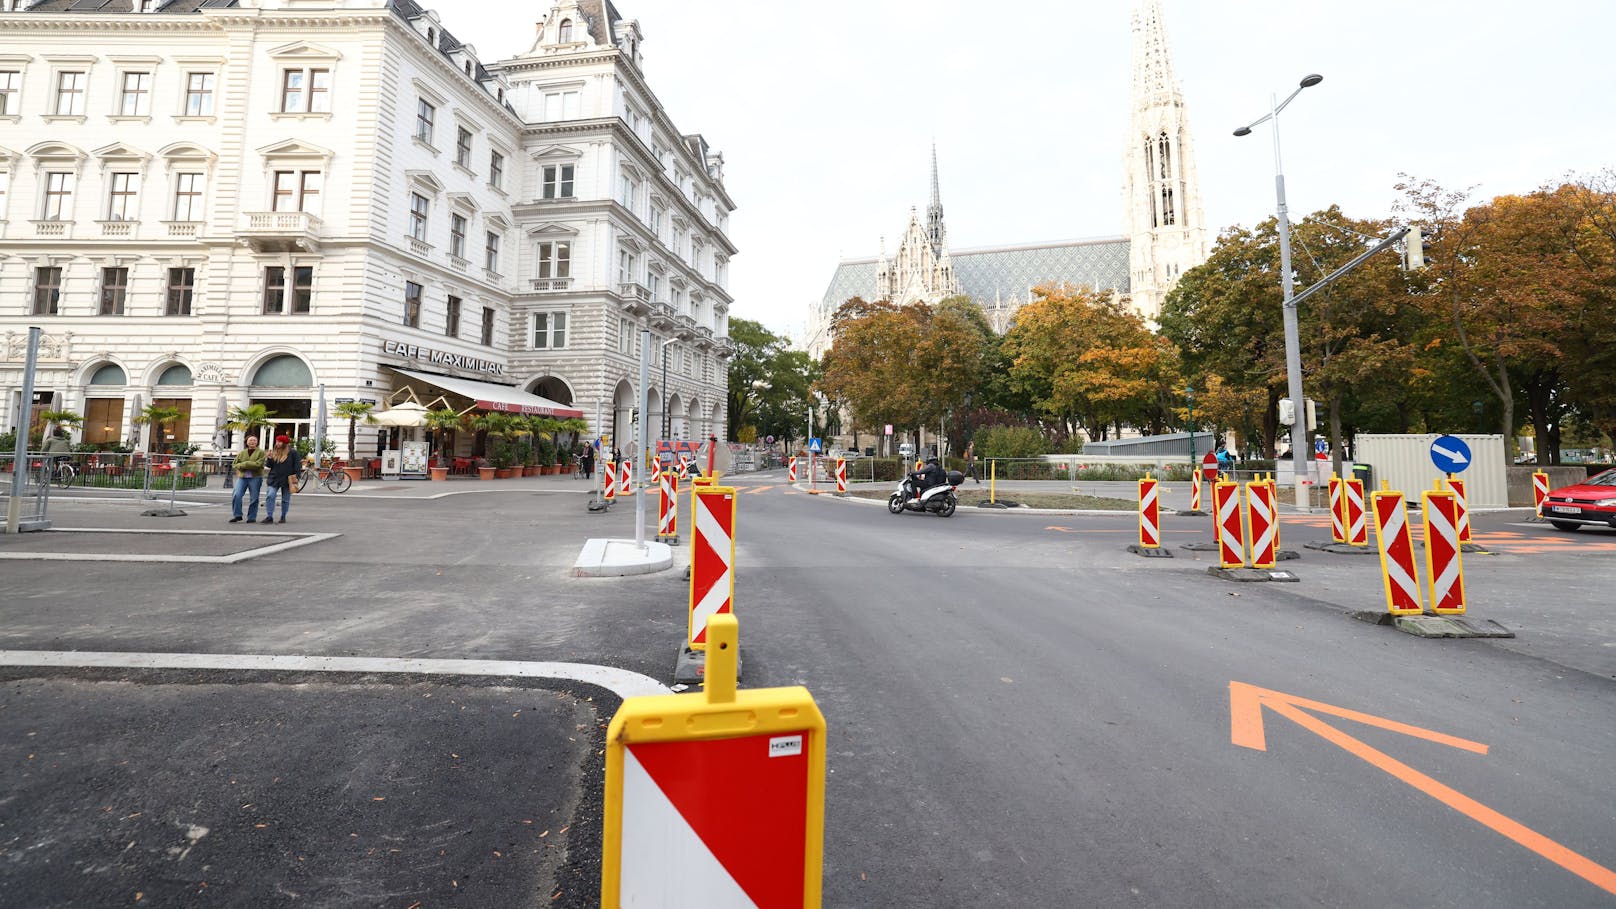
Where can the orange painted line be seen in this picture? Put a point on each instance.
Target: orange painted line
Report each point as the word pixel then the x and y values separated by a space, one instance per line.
pixel 1245 708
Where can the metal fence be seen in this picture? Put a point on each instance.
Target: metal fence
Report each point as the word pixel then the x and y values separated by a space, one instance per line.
pixel 107 476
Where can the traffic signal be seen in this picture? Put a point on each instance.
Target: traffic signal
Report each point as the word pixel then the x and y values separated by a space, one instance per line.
pixel 1287 412
pixel 1312 414
pixel 1413 249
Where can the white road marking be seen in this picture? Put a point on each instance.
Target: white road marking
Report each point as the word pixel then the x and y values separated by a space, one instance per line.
pixel 299 540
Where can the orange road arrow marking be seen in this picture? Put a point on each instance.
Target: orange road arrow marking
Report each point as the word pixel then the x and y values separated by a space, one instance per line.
pixel 1246 703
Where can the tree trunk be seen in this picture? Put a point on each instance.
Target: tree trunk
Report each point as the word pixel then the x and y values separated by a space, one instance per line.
pixel 353 434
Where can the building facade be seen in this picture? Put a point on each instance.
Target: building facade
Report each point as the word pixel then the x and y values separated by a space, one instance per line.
pixel 1164 228
pixel 212 203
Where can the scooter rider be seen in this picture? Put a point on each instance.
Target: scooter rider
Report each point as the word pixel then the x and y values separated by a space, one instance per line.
pixel 927 477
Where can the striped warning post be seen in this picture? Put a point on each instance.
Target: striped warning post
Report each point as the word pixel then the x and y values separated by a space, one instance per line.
pixel 684 467
pixel 625 478
pixel 1352 510
pixel 1338 516
pixel 712 559
pixel 1273 498
pixel 1231 530
pixel 791 472
pixel 1540 490
pixel 668 507
pixel 609 486
pixel 1264 524
pixel 1195 489
pixel 1396 553
pixel 1149 514
pixel 1457 487
pixel 841 476
pixel 656 470
pixel 1444 557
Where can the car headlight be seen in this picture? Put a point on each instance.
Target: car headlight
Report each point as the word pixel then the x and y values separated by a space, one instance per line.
pixel 1605 503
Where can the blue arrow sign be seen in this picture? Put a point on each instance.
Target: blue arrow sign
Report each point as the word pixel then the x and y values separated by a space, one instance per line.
pixel 1450 454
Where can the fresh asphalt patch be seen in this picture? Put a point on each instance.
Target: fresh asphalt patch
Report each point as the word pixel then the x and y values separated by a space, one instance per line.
pixel 234 789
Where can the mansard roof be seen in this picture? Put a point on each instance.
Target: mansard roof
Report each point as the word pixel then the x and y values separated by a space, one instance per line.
pixel 126 6
pixel 1004 271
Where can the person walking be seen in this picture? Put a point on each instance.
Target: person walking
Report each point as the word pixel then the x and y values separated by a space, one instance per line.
pixel 283 463
pixel 588 461
pixel 970 461
pixel 249 470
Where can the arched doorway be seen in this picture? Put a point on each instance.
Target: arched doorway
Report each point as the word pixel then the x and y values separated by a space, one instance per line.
pixel 692 421
pixel 653 415
pixel 172 391
pixel 553 388
pixel 715 422
pixel 622 415
pixel 103 403
pixel 284 384
pixel 676 418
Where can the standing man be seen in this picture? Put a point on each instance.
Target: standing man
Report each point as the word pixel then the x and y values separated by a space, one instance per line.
pixel 970 461
pixel 249 468
pixel 587 461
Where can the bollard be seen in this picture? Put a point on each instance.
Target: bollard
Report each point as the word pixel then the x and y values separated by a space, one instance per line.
pixel 1397 570
pixel 656 470
pixel 1149 513
pixel 1540 491
pixel 1338 515
pixel 625 478
pixel 841 476
pixel 1195 490
pixel 609 481
pixel 717 798
pixel 1231 531
pixel 791 472
pixel 1457 487
pixel 1444 551
pixel 712 572
pixel 1264 524
pixel 1354 519
pixel 668 508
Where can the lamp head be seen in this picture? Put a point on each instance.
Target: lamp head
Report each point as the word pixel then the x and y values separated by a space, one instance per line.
pixel 1311 79
pixel 1243 131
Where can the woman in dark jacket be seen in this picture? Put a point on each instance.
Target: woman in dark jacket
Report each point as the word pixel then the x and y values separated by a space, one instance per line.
pixel 284 463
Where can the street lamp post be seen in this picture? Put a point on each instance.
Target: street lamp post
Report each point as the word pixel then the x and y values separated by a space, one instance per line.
pixel 1293 345
pixel 1189 395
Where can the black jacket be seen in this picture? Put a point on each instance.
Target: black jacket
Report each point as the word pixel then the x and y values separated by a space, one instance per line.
pixel 281 472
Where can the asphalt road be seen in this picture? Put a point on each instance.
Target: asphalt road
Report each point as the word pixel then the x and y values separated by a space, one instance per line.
pixel 1020 712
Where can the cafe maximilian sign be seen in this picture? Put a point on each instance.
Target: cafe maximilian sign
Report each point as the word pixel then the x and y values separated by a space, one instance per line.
pixel 442 357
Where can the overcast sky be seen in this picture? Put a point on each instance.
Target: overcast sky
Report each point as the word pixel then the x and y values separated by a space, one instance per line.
pixel 825 111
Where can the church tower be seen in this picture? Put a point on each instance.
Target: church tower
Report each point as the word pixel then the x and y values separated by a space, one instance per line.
pixel 935 231
pixel 1161 193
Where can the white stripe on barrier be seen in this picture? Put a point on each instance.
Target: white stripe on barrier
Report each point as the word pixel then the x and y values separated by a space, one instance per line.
pixel 664 862
pixel 708 528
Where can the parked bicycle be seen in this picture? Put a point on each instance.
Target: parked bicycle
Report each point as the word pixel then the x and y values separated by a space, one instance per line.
pixel 330 477
pixel 63 473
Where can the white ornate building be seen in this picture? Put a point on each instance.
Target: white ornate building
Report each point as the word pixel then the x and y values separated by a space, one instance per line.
pixel 922 272
pixel 210 203
pixel 1164 228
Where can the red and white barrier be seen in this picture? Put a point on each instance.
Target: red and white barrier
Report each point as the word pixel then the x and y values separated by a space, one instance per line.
pixel 791 472
pixel 841 476
pixel 1540 490
pixel 625 478
pixel 712 559
pixel 684 467
pixel 1353 512
pixel 1264 524
pixel 1149 514
pixel 1273 498
pixel 668 507
pixel 1444 558
pixel 1338 515
pixel 1195 489
pixel 656 470
pixel 1457 487
pixel 609 484
pixel 1231 530
pixel 1397 569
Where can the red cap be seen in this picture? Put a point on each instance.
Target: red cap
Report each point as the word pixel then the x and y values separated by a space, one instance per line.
pixel 282 440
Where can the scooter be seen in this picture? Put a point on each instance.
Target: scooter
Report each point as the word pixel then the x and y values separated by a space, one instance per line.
pixel 939 499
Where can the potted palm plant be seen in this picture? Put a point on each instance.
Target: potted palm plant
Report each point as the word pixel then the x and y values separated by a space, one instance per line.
pixel 495 427
pixel 353 412
pixel 566 433
pixel 56 418
pixel 162 419
pixel 522 438
pixel 442 422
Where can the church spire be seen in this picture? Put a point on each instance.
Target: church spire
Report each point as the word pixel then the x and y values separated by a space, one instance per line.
pixel 936 233
pixel 1161 192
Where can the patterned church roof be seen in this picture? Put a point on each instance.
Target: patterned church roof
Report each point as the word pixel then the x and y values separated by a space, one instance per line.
pixel 1004 271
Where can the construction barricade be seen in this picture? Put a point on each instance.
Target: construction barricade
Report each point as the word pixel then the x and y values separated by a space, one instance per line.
pixel 609 481
pixel 1352 506
pixel 1338 514
pixel 668 508
pixel 1540 491
pixel 1195 490
pixel 1264 524
pixel 1150 535
pixel 712 572
pixel 791 471
pixel 1231 530
pixel 1457 487
pixel 1397 570
pixel 625 478
pixel 1444 551
pixel 717 798
pixel 841 476
pixel 656 470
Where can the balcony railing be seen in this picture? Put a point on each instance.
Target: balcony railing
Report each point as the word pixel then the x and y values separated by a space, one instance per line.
pixel 458 264
pixel 183 228
pixel 117 228
pixel 637 292
pixel 280 231
pixel 550 285
pixel 53 229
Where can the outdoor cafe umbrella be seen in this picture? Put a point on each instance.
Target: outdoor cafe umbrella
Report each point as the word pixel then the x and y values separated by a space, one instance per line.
pixel 407 414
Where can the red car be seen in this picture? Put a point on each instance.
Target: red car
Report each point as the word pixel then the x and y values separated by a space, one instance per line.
pixel 1590 502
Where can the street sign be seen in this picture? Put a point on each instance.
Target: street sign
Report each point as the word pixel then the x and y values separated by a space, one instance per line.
pixel 768 440
pixel 1210 461
pixel 889 429
pixel 1450 454
pixel 1321 447
pixel 816 446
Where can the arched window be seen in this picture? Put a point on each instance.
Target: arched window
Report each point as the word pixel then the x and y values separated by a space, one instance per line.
pixel 564 32
pixel 468 67
pixel 284 371
pixel 432 36
pixel 110 374
pixel 178 374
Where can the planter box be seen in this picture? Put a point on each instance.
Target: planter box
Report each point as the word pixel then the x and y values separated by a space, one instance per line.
pixel 532 471
pixel 354 473
pixel 505 473
pixel 439 473
pixel 485 473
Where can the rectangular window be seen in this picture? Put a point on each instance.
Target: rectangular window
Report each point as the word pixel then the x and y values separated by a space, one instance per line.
pixel 491 253
pixel 199 94
pixel 297 190
pixel 10 83
pixel 302 288
pixel 70 89
pixel 425 115
pixel 47 291
pixel 274 290
pixel 188 197
pixel 58 197
pixel 496 170
pixel 656 222
pixel 114 287
pixel 451 324
pixel 549 330
pixel 625 341
pixel 418 211
pixel 306 91
pixel 625 191
pixel 653 283
pixel 181 285
pixel 555 259
pixel 457 236
pixel 123 202
pixel 488 326
pixel 278 296
pixel 558 181
pixel 412 304
pixel 135 98
pixel 625 267
pixel 5 186
pixel 561 105
pixel 463 147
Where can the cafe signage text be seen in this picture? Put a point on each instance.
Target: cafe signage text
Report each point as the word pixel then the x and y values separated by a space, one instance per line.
pixel 442 357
